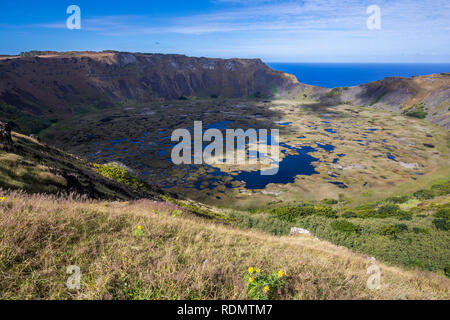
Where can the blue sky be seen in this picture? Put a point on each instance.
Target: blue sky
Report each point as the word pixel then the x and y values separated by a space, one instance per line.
pixel 274 30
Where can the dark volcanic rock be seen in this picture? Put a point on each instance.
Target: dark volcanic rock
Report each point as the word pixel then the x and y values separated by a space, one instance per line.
pixel 6 142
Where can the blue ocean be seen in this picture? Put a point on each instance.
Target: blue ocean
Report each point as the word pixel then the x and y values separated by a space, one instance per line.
pixel 331 75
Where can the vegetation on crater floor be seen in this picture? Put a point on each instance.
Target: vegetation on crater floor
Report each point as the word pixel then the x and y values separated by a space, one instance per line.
pixel 416 111
pixel 415 237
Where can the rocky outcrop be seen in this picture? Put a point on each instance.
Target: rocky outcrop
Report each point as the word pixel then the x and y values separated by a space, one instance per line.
pixel 295 231
pixel 430 94
pixel 6 142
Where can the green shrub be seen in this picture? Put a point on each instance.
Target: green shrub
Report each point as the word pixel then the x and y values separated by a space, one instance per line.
pixel 415 263
pixel 442 221
pixel 443 213
pixel 325 211
pixel 402 227
pixel 344 226
pixel 349 214
pixel 398 200
pixel 390 230
pixel 421 230
pixel 330 201
pixel 441 224
pixel 416 111
pixel 334 93
pixel 120 173
pixel 405 216
pixel 388 210
pixel 366 213
pixel 291 213
pixel 417 114
pixel 436 190
pixel 424 194
pixel 441 189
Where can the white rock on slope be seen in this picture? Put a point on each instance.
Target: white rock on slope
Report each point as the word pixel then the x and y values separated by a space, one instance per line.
pixel 295 231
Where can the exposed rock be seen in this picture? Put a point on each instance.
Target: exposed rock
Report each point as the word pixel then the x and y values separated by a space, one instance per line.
pixel 295 231
pixel 349 167
pixel 273 193
pixel 126 58
pixel 409 165
pixel 6 142
pixel 355 166
pixel 35 137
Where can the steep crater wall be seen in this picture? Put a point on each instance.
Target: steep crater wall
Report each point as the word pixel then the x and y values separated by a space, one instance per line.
pixel 54 86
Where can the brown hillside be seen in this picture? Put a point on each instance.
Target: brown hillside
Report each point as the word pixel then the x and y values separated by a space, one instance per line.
pixel 430 93
pixel 58 85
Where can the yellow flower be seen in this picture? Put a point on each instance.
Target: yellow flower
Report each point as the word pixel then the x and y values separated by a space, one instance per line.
pixel 139 228
pixel 280 274
pixel 266 289
pixel 251 280
pixel 251 270
pixel 2 199
pixel 258 270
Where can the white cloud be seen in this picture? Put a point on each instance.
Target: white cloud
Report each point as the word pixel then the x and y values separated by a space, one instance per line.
pixel 282 16
pixel 335 28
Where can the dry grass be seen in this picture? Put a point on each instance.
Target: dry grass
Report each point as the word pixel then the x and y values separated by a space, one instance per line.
pixel 180 257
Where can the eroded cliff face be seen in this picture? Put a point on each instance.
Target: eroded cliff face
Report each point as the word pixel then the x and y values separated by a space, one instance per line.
pixel 38 90
pixel 428 96
pixel 58 84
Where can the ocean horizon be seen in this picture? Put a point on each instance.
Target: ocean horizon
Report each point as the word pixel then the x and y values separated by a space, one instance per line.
pixel 331 75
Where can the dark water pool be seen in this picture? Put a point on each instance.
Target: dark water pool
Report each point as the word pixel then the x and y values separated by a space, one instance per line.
pixel 290 167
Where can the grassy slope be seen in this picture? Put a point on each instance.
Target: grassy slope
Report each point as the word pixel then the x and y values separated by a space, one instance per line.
pixel 38 168
pixel 176 257
pixel 181 256
pixel 419 242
